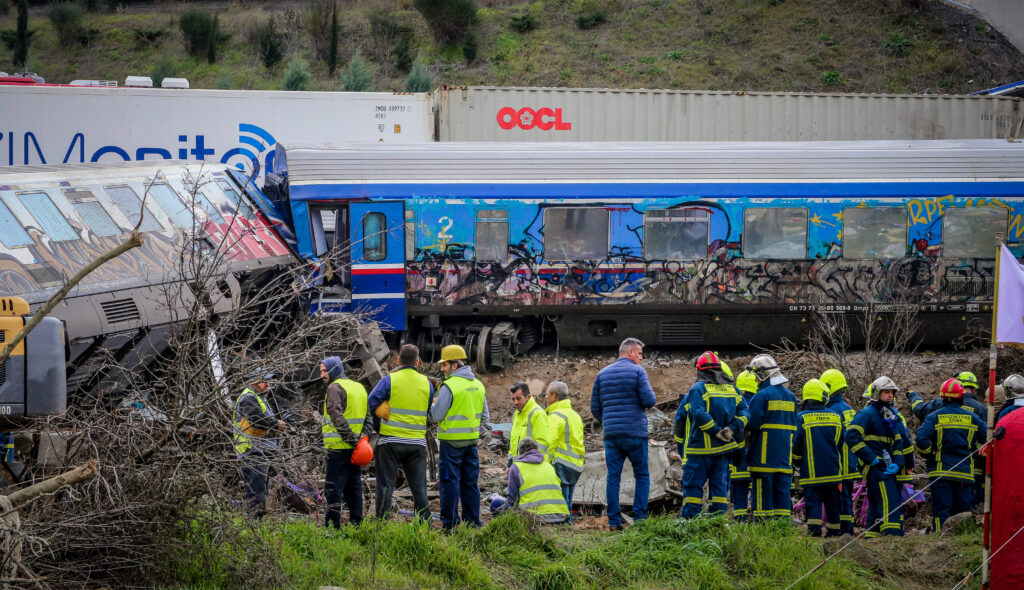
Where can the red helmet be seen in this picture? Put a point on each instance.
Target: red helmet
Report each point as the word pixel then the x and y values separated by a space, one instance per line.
pixel 709 360
pixel 952 388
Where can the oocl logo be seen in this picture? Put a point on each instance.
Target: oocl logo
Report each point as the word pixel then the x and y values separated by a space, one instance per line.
pixel 544 119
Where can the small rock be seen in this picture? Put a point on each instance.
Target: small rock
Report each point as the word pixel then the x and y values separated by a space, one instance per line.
pixel 953 522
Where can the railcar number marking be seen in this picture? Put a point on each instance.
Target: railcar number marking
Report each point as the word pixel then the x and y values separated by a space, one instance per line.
pixel 443 234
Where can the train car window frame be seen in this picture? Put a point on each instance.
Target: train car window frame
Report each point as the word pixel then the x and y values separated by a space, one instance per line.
pixel 239 206
pixel 981 248
pixel 375 245
pixel 149 222
pixel 485 219
pixel 746 249
pixel 12 234
pixel 168 202
pixel 321 245
pixel 94 215
pixel 57 226
pixel 558 251
pixel 876 233
pixel 672 216
pixel 410 235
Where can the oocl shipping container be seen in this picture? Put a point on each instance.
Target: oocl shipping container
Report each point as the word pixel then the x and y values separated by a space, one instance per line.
pixel 483 113
pixel 63 124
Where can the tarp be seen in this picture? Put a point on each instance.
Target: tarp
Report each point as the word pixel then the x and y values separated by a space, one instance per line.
pixel 1007 567
pixel 590 489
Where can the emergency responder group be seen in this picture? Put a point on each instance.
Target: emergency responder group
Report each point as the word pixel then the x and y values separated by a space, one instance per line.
pixel 739 437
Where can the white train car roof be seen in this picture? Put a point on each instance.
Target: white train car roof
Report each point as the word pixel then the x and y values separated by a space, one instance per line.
pixel 652 162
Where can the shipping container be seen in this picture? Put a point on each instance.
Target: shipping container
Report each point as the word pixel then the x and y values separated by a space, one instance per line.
pixel 55 125
pixel 482 113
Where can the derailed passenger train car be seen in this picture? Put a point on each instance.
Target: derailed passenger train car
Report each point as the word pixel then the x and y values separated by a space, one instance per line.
pixel 707 244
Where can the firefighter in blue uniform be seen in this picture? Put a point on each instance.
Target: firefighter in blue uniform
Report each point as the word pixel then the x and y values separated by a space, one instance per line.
pixel 836 383
pixel 818 450
pixel 947 440
pixel 875 435
pixel 772 427
pixel 1013 386
pixel 739 472
pixel 717 412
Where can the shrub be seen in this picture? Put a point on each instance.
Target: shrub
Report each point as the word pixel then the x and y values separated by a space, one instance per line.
pixel 357 76
pixel 332 52
pixel 318 21
pixel 163 68
pixel 267 41
pixel 66 19
pixel 5 7
pixel 590 20
pixel 297 76
pixel 403 54
pixel 224 80
pixel 832 78
pixel 420 79
pixel 195 27
pixel 147 37
pixel 897 44
pixel 212 41
pixel 523 24
pixel 469 49
pixel 22 36
pixel 675 54
pixel 91 5
pixel 448 20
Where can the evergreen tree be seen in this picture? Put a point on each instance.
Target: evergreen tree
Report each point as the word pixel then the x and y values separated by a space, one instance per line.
pixel 211 47
pixel 332 57
pixel 21 41
pixel 469 48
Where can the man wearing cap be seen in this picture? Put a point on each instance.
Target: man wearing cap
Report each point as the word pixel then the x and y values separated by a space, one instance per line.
pixel 343 420
pixel 459 410
pixel 403 431
pixel 252 423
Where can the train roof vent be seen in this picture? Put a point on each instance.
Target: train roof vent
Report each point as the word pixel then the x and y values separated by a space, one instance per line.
pixel 680 333
pixel 174 83
pixel 120 310
pixel 138 82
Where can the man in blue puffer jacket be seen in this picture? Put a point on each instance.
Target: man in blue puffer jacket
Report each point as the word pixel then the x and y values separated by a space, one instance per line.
pixel 620 397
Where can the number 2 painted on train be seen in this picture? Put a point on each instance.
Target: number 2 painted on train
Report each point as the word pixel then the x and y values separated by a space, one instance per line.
pixel 443 234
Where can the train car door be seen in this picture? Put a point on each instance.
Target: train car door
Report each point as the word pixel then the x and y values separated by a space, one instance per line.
pixel 378 260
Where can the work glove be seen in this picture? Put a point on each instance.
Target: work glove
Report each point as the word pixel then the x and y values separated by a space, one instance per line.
pixel 891 469
pixel 724 435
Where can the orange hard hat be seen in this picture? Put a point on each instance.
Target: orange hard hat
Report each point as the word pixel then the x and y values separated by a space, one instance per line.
pixel 383 411
pixel 363 453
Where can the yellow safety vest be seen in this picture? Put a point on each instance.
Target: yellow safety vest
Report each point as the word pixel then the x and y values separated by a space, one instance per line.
pixel 410 399
pixel 541 492
pixel 462 422
pixel 566 447
pixel 530 422
pixel 243 430
pixel 355 414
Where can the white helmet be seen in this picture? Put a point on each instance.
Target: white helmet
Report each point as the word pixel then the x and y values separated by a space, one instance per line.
pixel 765 368
pixel 880 384
pixel 1014 386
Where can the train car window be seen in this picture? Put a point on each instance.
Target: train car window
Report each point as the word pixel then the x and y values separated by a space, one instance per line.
pixel 775 233
pixel 207 206
pixel 575 233
pixel 172 204
pixel 676 234
pixel 131 205
pixel 874 232
pixel 236 201
pixel 92 212
pixel 968 232
pixel 410 235
pixel 327 223
pixel 50 219
pixel 375 243
pixel 491 242
pixel 12 234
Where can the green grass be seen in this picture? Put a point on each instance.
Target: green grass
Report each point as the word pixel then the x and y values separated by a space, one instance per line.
pixel 512 552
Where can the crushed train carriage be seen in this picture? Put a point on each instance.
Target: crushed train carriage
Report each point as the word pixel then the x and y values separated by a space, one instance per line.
pixel 493 245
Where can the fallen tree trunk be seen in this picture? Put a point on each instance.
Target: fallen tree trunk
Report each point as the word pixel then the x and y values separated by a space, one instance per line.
pixel 79 474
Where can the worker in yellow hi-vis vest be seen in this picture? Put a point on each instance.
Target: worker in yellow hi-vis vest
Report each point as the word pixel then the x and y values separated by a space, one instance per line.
pixel 253 422
pixel 344 420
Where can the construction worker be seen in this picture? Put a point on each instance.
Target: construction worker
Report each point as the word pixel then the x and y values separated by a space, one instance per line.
pixel 739 472
pixel 948 439
pixel 344 419
pixel 718 412
pixel 253 421
pixel 533 485
pixel 528 421
pixel 459 410
pixel 619 401
pixel 403 432
pixel 565 453
pixel 875 435
pixel 772 427
pixel 1013 386
pixel 836 383
pixel 819 439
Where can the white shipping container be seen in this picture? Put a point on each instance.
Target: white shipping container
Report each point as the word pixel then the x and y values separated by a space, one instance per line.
pixel 483 113
pixel 53 125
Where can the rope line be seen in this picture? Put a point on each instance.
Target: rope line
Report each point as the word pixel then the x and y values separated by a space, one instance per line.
pixel 970 575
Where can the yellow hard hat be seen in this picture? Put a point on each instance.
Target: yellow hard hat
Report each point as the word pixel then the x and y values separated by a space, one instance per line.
pixel 453 352
pixel 967 379
pixel 815 390
pixel 726 370
pixel 834 379
pixel 747 382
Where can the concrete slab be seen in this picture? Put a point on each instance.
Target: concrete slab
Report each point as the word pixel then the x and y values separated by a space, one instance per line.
pixel 590 489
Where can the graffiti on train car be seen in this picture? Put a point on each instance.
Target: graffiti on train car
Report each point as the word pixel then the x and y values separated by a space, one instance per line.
pixel 896 246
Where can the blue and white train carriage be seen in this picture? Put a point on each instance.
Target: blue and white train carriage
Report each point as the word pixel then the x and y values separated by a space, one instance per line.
pixel 710 244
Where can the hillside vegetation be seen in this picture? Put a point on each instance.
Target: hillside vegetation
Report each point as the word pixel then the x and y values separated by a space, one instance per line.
pixel 772 45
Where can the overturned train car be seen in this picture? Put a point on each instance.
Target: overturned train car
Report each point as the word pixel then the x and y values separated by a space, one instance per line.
pixel 703 244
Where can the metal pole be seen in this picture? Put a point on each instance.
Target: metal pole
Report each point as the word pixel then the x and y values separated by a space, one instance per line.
pixel 992 352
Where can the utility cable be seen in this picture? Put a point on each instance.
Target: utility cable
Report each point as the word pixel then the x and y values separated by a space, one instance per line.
pixel 868 528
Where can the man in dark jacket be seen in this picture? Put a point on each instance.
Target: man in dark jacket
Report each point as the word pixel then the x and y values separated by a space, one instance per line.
pixel 343 420
pixel 876 436
pixel 253 422
pixel 620 397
